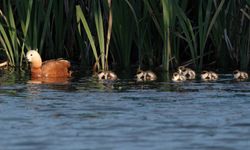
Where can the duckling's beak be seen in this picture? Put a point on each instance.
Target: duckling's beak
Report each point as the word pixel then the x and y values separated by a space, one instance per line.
pixel 27 58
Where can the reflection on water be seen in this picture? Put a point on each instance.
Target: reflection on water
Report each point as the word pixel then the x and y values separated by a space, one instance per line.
pixel 88 114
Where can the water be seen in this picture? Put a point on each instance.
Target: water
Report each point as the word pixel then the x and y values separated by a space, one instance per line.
pixel 85 114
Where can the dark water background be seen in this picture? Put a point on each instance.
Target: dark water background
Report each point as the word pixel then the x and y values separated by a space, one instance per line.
pixel 86 114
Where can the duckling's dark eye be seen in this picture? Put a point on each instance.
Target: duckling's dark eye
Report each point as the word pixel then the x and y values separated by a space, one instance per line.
pixel 31 54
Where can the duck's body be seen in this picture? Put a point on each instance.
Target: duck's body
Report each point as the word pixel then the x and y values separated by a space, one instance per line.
pixel 187 72
pixel 178 77
pixel 145 75
pixel 240 75
pixel 48 69
pixel 107 75
pixel 209 76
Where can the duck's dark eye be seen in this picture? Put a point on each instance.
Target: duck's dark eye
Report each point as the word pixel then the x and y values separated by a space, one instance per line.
pixel 31 54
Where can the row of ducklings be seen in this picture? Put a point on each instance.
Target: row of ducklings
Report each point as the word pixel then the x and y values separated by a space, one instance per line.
pixel 182 74
pixel 140 76
pixel 185 73
pixel 60 68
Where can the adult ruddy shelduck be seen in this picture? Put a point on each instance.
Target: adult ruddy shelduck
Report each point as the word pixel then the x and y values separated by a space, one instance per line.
pixel 57 68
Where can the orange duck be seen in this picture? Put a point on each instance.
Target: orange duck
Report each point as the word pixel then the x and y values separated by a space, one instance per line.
pixel 58 68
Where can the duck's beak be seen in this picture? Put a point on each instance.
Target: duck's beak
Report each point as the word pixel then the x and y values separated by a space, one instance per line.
pixel 28 59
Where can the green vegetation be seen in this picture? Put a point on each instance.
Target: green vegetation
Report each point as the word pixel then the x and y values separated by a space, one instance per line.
pixel 144 33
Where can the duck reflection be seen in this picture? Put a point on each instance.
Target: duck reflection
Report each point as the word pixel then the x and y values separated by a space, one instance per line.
pixel 49 80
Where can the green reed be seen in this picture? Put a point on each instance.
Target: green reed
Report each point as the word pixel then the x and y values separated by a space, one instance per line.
pixel 196 35
pixel 163 33
pixel 143 37
pixel 123 31
pixel 80 17
pixel 231 35
pixel 44 25
pixel 8 36
pixel 167 17
pixel 103 43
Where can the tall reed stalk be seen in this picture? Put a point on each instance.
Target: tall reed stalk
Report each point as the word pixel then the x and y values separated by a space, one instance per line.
pixel 99 23
pixel 167 17
pixel 110 23
pixel 231 35
pixel 153 32
pixel 197 39
pixel 8 36
pixel 123 31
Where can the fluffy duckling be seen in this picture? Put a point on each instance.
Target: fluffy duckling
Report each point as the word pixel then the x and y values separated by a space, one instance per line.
pixel 107 75
pixel 187 72
pixel 145 75
pixel 209 76
pixel 47 69
pixel 178 77
pixel 240 75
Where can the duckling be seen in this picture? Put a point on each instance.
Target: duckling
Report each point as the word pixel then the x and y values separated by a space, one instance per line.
pixel 101 75
pixel 209 76
pixel 47 69
pixel 178 77
pixel 240 75
pixel 140 75
pixel 145 75
pixel 214 76
pixel 111 75
pixel 187 72
pixel 150 76
pixel 107 75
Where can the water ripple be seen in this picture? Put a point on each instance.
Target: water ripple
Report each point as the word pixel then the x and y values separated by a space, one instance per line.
pixel 87 114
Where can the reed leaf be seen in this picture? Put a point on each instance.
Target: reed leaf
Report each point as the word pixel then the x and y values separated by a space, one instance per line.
pixel 123 32
pixel 205 25
pixel 99 30
pixel 45 25
pixel 110 23
pixel 167 8
pixel 24 12
pixel 189 33
pixel 80 17
pixel 9 37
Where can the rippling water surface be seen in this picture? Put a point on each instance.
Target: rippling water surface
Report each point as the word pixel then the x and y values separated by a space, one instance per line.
pixel 85 114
